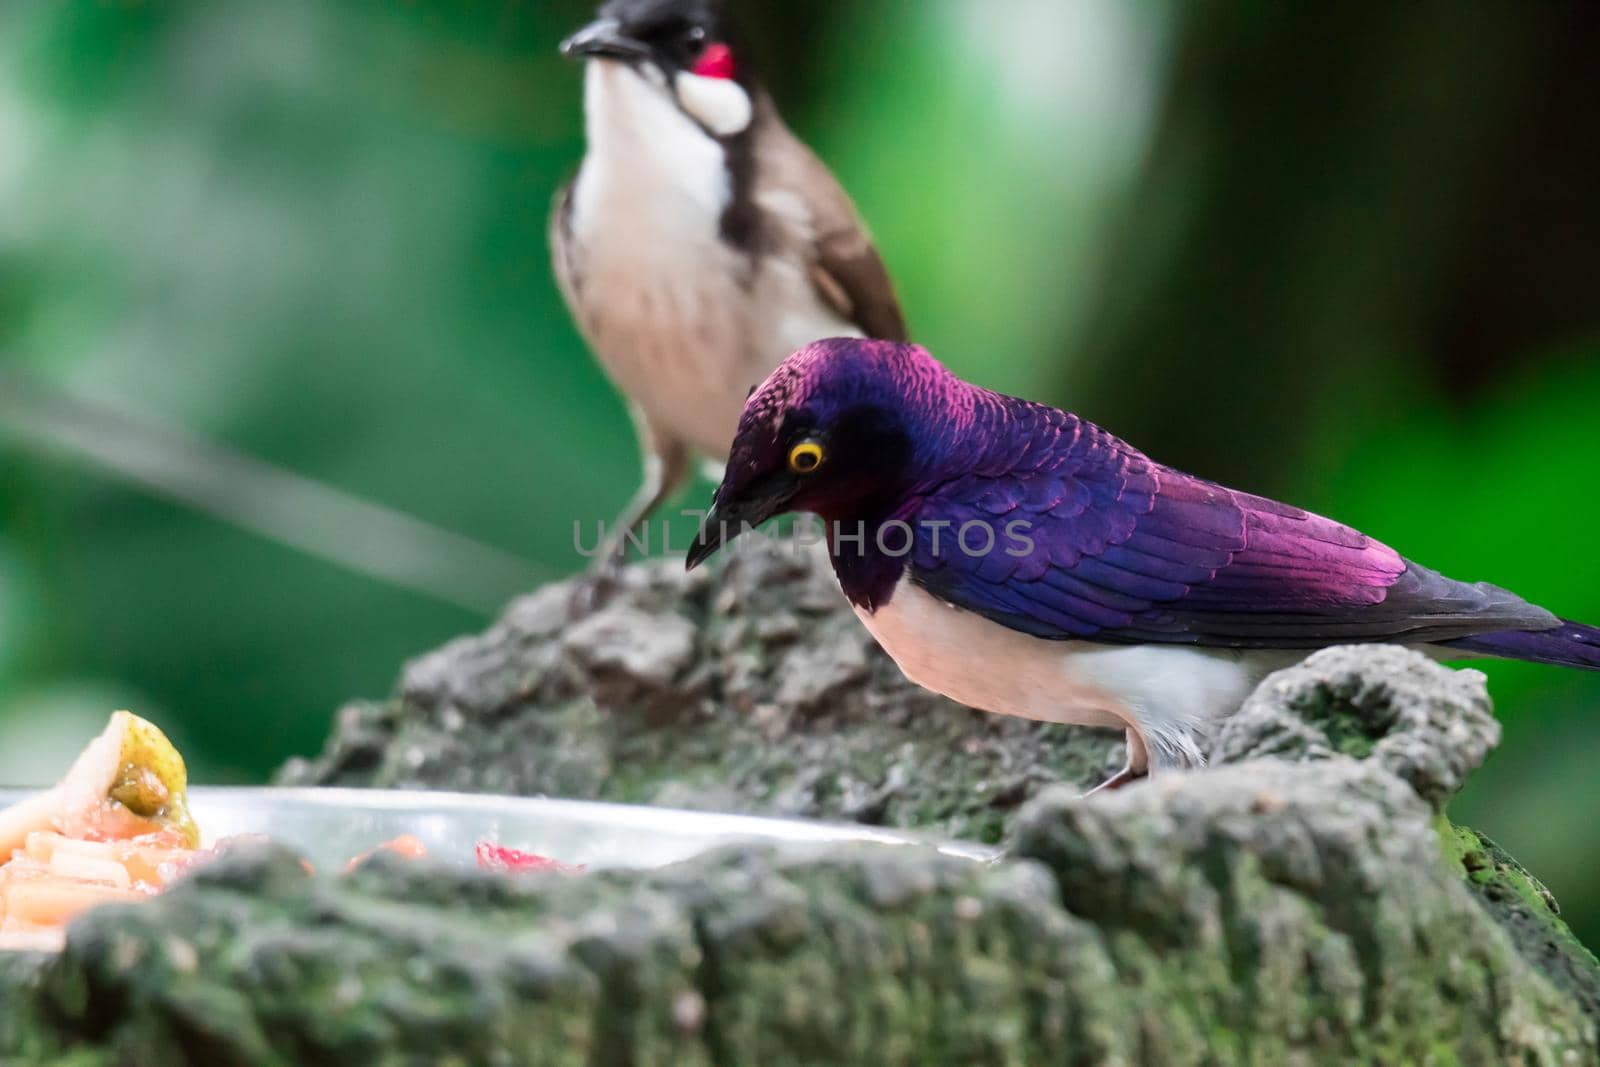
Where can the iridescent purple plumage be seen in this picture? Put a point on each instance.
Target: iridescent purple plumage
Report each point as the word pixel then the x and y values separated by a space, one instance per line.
pixel 1123 550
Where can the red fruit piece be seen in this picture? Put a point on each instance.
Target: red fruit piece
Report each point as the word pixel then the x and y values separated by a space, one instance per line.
pixel 493 857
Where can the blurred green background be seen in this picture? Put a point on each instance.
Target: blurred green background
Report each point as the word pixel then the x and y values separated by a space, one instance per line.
pixel 287 393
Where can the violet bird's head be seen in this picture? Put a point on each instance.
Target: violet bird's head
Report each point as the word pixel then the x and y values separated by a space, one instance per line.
pixel 843 428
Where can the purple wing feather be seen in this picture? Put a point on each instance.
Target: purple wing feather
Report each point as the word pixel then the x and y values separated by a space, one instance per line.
pixel 1126 550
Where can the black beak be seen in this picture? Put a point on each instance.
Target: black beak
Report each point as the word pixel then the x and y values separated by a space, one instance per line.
pixel 603 38
pixel 729 518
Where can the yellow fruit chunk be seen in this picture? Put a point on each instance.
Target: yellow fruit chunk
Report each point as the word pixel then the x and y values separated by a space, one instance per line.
pixel 151 780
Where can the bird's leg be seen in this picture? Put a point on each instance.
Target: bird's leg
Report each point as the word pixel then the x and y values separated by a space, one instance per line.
pixel 1137 767
pixel 665 460
pixel 1118 780
pixel 666 465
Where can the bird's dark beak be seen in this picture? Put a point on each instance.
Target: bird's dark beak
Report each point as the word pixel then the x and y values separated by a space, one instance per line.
pixel 729 517
pixel 603 38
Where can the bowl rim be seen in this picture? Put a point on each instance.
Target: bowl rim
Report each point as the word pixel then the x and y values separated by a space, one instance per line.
pixel 679 822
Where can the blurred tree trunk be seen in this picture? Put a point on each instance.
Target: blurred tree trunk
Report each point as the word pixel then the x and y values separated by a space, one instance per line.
pixel 1346 207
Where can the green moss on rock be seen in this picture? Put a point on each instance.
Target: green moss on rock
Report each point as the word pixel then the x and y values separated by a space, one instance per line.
pixel 1525 909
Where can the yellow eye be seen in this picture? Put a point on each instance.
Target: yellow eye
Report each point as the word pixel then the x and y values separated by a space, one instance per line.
pixel 805 457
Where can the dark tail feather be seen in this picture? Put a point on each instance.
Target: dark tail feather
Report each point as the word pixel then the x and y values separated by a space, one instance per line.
pixel 1572 644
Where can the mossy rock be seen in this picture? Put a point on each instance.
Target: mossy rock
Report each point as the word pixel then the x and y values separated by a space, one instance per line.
pixel 1304 900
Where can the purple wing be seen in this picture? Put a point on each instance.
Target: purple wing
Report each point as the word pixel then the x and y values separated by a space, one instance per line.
pixel 1093 540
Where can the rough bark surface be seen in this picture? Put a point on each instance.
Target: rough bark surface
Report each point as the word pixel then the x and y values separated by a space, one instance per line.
pixel 1302 901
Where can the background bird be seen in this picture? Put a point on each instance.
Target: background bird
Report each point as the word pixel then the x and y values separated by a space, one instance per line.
pixel 1021 560
pixel 701 242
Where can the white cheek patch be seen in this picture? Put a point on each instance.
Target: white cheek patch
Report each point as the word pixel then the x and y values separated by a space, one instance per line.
pixel 719 104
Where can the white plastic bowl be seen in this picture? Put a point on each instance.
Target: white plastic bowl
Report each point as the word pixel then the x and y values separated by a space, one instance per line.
pixel 330 826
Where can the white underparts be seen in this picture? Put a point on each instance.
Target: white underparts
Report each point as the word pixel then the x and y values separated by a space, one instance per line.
pixel 682 321
pixel 1167 695
pixel 646 160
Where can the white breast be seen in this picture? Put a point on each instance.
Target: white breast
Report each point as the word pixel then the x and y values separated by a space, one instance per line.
pixel 1166 694
pixel 637 138
pixel 681 321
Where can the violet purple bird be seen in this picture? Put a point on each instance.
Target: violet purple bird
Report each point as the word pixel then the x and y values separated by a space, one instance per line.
pixel 1092 585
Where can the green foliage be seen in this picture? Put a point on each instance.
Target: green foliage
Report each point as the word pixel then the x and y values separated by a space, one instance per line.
pixel 1498 493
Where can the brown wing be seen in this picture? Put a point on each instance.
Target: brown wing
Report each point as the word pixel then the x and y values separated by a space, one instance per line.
pixel 561 253
pixel 845 267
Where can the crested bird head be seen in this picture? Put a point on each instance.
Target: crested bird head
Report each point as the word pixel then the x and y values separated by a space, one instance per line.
pixel 843 428
pixel 682 48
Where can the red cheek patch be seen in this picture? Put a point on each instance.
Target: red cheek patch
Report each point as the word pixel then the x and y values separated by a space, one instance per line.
pixel 715 62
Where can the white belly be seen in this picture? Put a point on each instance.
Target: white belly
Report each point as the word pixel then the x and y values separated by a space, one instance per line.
pixel 687 347
pixel 1166 694
pixel 672 312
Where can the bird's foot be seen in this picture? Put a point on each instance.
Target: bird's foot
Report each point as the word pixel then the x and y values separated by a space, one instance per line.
pixel 595 587
pixel 1123 777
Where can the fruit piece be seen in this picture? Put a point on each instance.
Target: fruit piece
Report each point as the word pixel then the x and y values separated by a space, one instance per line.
pixel 492 857
pixel 42 845
pixel 105 871
pixel 27 817
pixel 116 828
pixel 127 782
pixel 151 858
pixel 151 780
pixel 406 845
pixel 50 901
